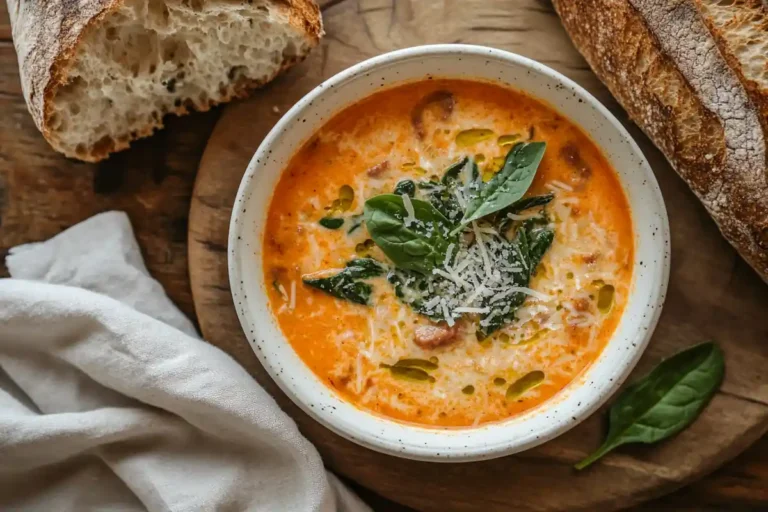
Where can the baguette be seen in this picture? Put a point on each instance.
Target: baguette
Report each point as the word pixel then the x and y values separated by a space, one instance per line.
pixel 693 74
pixel 97 74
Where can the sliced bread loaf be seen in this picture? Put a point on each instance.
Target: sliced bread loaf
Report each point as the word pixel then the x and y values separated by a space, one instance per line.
pixel 693 74
pixel 98 74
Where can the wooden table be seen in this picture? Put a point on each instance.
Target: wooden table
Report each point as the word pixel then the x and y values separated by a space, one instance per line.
pixel 42 193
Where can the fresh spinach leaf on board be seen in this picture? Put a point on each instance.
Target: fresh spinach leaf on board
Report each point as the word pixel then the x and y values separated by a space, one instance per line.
pixel 508 185
pixel 665 401
pixel 347 284
pixel 331 222
pixel 419 245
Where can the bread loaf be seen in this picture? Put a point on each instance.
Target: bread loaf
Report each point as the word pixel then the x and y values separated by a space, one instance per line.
pixel 98 74
pixel 693 74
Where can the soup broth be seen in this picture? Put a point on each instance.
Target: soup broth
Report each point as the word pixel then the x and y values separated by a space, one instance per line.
pixel 438 321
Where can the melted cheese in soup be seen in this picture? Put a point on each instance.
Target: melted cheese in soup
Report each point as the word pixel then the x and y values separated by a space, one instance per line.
pixel 573 301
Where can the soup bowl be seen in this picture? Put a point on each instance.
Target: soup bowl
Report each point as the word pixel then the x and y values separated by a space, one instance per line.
pixel 570 406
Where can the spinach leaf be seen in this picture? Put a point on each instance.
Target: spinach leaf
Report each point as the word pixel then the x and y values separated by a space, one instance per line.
pixel 503 222
pixel 346 284
pixel 405 187
pixel 416 289
pixel 528 202
pixel 446 203
pixel 363 268
pixel 506 186
pixel 331 222
pixel 451 174
pixel 539 239
pixel 532 239
pixel 665 401
pixel 442 194
pixel 356 221
pixel 419 245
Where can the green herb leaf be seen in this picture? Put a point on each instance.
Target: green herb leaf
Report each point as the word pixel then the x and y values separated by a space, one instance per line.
pixel 347 284
pixel 419 246
pixel 405 187
pixel 331 222
pixel 508 185
pixel 665 401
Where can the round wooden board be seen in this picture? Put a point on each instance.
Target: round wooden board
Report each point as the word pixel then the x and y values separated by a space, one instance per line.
pixel 713 294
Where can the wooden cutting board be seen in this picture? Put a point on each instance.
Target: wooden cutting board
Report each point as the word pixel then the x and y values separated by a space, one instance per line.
pixel 712 294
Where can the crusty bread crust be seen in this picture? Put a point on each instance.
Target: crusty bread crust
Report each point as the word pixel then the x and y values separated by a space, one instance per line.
pixel 47 34
pixel 660 60
pixel 740 30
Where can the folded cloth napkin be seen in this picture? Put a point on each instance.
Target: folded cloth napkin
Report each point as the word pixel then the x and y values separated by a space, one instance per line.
pixel 110 401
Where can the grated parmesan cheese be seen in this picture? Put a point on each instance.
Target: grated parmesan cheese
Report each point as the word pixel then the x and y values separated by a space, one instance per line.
pixel 456 279
pixel 471 310
pixel 460 198
pixel 446 314
pixel 283 293
pixel 560 185
pixel 529 291
pixel 483 250
pixel 515 216
pixel 448 254
pixel 411 217
pixel 466 172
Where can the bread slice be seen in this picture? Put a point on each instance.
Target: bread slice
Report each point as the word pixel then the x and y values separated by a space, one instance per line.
pixel 740 28
pixel 98 74
pixel 692 74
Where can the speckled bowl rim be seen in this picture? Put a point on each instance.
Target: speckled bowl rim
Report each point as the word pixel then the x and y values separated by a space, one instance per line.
pixel 554 417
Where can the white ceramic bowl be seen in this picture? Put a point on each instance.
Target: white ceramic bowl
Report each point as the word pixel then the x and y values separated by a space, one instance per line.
pixel 568 408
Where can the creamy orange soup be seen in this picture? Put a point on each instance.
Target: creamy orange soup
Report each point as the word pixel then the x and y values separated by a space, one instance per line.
pixel 473 336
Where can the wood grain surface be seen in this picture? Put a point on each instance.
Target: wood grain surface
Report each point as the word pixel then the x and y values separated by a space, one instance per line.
pixel 42 193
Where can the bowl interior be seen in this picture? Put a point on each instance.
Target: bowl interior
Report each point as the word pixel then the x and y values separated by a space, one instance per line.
pixel 576 402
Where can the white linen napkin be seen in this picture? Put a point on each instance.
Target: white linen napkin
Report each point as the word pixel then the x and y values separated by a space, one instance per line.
pixel 110 401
